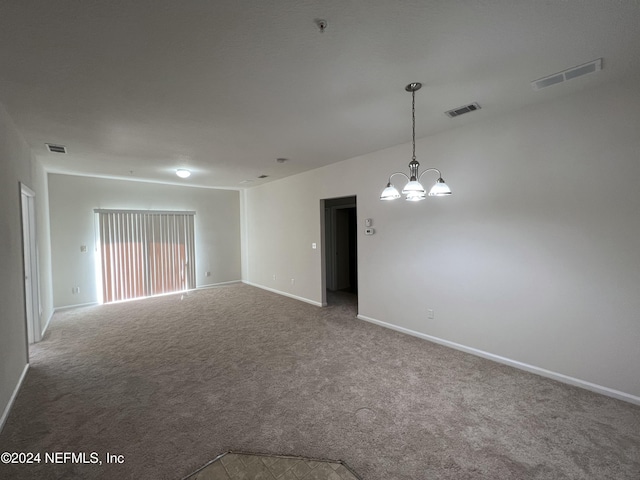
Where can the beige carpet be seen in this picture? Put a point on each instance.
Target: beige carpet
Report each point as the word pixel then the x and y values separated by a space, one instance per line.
pixel 170 383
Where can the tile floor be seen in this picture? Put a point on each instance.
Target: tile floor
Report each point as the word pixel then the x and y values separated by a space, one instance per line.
pixel 239 466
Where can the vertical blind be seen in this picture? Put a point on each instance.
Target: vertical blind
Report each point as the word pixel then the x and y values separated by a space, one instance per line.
pixel 145 253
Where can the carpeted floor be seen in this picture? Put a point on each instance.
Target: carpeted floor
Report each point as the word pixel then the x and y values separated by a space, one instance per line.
pixel 170 383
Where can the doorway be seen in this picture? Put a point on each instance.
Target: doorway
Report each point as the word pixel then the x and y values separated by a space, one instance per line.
pixel 340 249
pixel 30 263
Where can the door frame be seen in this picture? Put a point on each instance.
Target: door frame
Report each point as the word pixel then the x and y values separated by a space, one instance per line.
pixel 327 228
pixel 30 264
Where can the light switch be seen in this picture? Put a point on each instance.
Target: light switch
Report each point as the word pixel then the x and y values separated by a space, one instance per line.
pixel 314 246
pixel 368 222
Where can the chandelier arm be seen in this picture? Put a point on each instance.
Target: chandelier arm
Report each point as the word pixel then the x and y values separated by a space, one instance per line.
pixel 430 170
pixel 398 173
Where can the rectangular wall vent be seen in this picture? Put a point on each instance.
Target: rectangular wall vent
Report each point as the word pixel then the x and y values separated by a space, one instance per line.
pixel 56 148
pixel 456 112
pixel 568 74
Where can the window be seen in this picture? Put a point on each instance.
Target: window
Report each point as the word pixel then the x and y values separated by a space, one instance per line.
pixel 144 253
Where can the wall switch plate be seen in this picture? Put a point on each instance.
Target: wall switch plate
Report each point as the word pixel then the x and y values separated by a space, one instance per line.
pixel 83 248
pixel 207 274
pixel 430 314
pixel 368 222
pixel 293 281
pixel 314 245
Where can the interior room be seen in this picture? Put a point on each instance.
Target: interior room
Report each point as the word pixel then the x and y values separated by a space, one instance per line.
pixel 333 239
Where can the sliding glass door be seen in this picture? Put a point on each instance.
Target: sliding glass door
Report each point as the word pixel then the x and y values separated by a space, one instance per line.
pixel 144 253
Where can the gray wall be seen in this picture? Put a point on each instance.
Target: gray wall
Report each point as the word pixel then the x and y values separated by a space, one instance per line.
pixel 40 186
pixel 15 159
pixel 72 200
pixel 534 258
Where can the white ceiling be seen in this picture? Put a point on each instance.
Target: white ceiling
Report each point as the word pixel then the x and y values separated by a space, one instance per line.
pixel 137 88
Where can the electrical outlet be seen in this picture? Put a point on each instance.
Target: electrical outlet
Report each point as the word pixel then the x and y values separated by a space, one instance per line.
pixel 430 314
pixel 75 290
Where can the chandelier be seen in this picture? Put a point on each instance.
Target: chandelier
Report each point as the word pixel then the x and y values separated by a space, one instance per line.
pixel 413 190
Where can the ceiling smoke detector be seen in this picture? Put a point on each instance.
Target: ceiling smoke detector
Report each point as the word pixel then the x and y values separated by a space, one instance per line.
pixel 569 74
pixel 56 148
pixel 321 24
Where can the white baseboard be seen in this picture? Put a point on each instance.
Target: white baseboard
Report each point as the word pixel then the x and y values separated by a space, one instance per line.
pixel 290 295
pixel 7 409
pixel 89 304
pixel 213 285
pixel 69 307
pixel 46 325
pixel 512 363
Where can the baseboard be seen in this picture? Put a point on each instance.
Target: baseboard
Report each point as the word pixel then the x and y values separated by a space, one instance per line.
pixel 89 304
pixel 609 392
pixel 46 325
pixel 7 409
pixel 78 305
pixel 221 284
pixel 285 294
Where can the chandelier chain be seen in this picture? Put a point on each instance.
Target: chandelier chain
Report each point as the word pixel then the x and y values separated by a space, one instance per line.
pixel 413 121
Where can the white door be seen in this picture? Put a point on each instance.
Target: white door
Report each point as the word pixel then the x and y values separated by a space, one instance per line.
pixel 31 284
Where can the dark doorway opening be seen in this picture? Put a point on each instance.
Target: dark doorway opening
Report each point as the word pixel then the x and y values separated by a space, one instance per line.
pixel 340 250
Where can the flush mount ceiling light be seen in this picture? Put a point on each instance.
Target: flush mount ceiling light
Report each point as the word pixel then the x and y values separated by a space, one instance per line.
pixel 413 190
pixel 183 173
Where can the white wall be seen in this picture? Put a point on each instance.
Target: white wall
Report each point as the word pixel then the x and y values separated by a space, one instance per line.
pixel 72 200
pixel 43 232
pixel 534 257
pixel 15 160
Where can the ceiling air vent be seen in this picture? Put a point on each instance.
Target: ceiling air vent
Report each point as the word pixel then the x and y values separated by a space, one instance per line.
pixel 568 74
pixel 456 112
pixel 56 148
